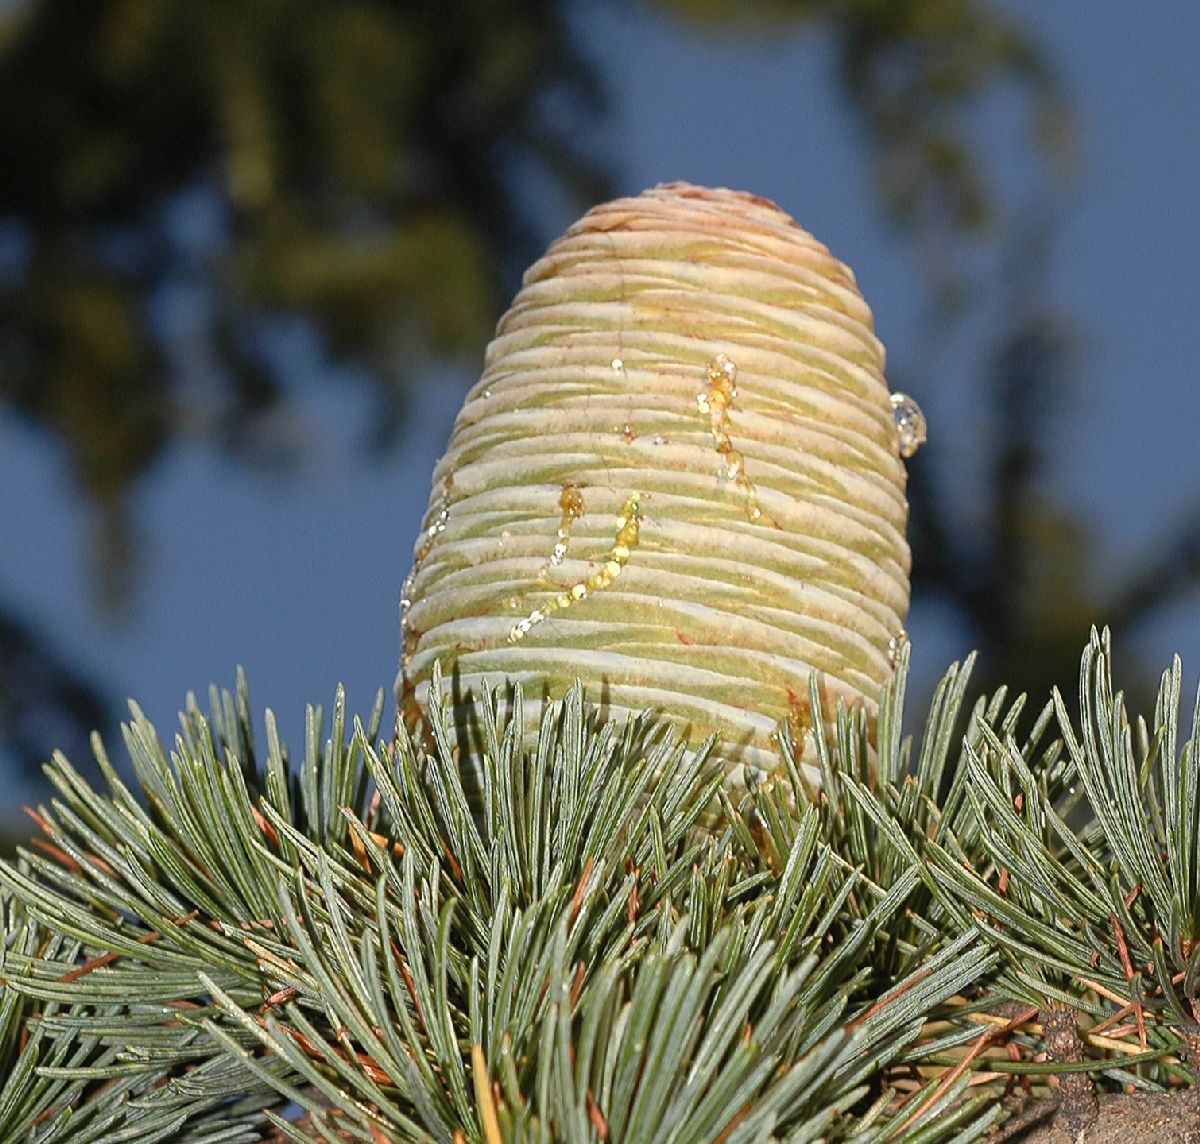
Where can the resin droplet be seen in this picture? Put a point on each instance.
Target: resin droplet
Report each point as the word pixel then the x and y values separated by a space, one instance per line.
pixel 896 646
pixel 715 402
pixel 628 528
pixel 618 365
pixel 910 422
pixel 571 503
pixel 799 719
pixel 437 527
pixel 722 386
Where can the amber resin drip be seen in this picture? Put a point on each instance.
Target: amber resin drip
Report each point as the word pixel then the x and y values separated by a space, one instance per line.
pixel 714 402
pixel 628 527
pixel 571 503
pixel 799 718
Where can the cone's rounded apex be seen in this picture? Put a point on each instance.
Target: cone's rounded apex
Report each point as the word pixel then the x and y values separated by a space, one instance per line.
pixel 679 479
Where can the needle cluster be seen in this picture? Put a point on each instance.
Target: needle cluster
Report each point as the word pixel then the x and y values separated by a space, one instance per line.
pixel 594 938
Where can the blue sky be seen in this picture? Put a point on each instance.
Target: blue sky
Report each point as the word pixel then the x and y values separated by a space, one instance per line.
pixel 297 579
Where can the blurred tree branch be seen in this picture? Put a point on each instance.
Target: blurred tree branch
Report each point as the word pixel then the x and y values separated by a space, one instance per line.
pixel 43 697
pixel 1171 567
pixel 363 162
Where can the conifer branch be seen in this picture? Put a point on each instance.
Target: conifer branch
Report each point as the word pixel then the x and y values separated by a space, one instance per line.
pixel 584 934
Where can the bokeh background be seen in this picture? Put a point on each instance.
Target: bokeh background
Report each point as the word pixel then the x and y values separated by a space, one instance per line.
pixel 251 250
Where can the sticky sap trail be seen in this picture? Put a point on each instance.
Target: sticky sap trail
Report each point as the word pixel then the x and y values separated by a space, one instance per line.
pixel 714 402
pixel 628 526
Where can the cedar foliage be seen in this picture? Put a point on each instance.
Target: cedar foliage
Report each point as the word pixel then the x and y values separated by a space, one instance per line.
pixel 583 934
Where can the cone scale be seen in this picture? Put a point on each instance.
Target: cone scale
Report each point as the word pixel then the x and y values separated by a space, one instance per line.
pixel 679 479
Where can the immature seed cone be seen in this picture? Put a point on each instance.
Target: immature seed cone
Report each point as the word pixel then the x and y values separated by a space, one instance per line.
pixel 679 479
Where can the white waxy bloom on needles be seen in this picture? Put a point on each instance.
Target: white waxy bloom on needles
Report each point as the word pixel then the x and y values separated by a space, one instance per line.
pixel 679 479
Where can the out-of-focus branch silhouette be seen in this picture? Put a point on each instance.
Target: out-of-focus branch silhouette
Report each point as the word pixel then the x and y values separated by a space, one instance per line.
pixel 1171 568
pixel 361 165
pixel 44 698
pixel 1013 563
